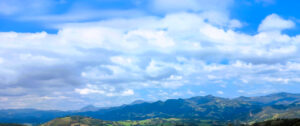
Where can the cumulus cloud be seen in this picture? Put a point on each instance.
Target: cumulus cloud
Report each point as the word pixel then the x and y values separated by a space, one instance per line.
pixel 105 90
pixel 180 54
pixel 274 22
pixel 220 92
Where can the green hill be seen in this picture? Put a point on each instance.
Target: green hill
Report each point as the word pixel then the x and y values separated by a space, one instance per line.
pixel 279 122
pixel 78 121
pixel 86 121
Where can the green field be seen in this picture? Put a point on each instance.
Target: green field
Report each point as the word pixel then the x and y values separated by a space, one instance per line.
pixel 85 121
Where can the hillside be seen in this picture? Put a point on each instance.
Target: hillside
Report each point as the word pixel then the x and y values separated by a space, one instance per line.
pixel 86 121
pixel 77 121
pixel 279 122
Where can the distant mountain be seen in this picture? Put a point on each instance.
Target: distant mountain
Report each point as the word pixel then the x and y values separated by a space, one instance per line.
pixel 273 99
pixel 244 109
pixel 204 107
pixel 89 108
pixel 29 115
pixel 138 102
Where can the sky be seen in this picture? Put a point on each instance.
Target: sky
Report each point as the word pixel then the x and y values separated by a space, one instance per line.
pixel 66 54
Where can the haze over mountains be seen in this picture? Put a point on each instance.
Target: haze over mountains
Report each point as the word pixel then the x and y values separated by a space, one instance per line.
pixel 246 109
pixel 94 108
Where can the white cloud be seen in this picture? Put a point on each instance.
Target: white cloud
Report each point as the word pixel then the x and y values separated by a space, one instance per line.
pixel 189 92
pixel 277 80
pixel 175 78
pixel 123 57
pixel 121 60
pixel 202 92
pixel 240 91
pixel 221 19
pixel 274 22
pixel 235 24
pixel 153 38
pixel 127 92
pixel 171 84
pixel 105 90
pixel 220 92
pixel 86 91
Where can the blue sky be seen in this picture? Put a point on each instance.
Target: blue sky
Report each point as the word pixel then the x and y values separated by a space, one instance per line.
pixel 65 54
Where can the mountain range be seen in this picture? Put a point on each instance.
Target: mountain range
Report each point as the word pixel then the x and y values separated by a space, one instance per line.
pixel 241 109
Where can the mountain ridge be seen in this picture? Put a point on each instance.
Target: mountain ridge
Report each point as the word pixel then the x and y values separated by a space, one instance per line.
pixel 205 107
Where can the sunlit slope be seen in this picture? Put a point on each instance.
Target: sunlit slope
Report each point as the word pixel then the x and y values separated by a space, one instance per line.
pixel 279 122
pixel 78 121
pixel 85 121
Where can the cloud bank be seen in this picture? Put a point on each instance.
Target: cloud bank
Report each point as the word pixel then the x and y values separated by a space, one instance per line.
pixel 118 60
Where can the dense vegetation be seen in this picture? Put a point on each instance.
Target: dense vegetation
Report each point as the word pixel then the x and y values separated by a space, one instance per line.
pixel 279 122
pixel 85 121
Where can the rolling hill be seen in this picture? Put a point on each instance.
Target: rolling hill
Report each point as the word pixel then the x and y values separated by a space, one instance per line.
pixel 279 122
pixel 77 121
pixel 86 121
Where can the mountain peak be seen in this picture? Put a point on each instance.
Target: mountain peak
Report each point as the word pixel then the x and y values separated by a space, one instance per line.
pixel 137 102
pixel 89 108
pixel 280 94
pixel 209 96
